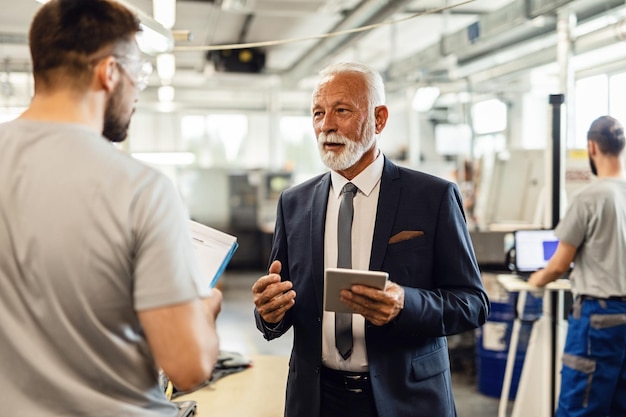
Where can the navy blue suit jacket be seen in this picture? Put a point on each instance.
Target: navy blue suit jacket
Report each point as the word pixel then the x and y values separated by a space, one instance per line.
pixel 444 295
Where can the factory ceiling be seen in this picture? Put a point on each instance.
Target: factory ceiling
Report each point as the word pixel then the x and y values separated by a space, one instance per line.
pixel 247 45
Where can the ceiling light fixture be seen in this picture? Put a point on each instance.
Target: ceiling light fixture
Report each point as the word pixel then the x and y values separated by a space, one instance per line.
pixel 166 68
pixel 164 12
pixel 182 35
pixel 154 38
pixel 166 93
pixel 152 41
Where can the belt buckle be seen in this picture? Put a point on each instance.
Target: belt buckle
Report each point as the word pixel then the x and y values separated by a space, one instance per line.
pixel 349 379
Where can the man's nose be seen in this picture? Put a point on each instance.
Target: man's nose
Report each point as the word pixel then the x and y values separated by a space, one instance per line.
pixel 328 123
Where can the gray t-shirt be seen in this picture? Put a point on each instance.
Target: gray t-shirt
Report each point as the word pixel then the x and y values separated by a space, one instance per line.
pixel 595 223
pixel 88 237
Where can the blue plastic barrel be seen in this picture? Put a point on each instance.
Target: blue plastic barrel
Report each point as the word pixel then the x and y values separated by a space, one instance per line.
pixel 493 341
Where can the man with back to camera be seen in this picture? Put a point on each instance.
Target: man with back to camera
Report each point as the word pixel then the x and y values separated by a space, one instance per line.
pixel 406 223
pixel 97 268
pixel 592 234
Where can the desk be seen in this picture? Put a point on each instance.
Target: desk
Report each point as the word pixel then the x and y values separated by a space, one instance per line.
pixel 258 391
pixel 542 362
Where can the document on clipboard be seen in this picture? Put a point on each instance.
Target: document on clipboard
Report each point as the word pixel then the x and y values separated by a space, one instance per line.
pixel 214 249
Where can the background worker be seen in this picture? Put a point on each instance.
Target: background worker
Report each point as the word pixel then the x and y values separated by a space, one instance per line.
pixel 592 234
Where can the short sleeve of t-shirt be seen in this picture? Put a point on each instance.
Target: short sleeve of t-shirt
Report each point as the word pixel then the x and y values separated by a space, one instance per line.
pixel 573 226
pixel 165 268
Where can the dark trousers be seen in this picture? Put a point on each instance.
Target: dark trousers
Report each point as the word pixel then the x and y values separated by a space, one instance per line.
pixel 346 394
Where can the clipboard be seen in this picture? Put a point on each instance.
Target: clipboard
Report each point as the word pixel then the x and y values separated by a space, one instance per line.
pixel 336 279
pixel 214 249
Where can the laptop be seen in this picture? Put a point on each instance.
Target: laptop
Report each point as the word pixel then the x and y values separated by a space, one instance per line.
pixel 533 250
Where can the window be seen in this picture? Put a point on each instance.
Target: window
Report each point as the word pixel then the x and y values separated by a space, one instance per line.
pixel 490 121
pixel 297 139
pixel 216 139
pixel 592 101
pixel 617 98
pixel 230 130
pixel 489 116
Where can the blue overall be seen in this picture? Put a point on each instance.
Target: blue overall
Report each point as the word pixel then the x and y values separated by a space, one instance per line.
pixel 593 377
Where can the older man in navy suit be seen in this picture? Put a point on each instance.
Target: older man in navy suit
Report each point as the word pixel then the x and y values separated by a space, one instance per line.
pixel 406 223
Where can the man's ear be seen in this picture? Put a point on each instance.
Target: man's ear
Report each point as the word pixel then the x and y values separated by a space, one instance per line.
pixel 106 74
pixel 592 147
pixel 381 113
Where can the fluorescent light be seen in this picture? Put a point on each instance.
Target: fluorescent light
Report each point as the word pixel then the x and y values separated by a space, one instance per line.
pixel 166 94
pixel 153 41
pixel 425 98
pixel 166 158
pixel 164 12
pixel 155 38
pixel 166 67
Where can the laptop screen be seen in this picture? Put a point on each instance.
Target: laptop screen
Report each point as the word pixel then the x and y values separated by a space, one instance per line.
pixel 533 249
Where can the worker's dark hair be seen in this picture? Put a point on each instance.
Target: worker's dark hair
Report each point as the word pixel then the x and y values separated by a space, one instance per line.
pixel 608 133
pixel 67 35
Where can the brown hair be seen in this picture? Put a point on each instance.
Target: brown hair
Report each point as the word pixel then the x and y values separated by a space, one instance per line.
pixel 608 133
pixel 65 36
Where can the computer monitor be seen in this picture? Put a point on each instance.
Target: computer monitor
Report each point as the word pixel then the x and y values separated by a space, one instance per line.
pixel 533 249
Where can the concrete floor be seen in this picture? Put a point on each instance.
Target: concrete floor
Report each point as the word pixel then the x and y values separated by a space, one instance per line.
pixel 238 333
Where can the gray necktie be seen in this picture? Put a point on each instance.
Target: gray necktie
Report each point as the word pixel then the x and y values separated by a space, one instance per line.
pixel 343 321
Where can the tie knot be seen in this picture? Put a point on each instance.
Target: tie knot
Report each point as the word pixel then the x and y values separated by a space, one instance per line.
pixel 349 188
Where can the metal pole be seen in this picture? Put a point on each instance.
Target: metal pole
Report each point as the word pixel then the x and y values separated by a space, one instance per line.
pixel 556 101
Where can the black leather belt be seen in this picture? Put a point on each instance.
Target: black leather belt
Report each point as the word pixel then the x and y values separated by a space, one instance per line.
pixel 356 382
pixel 584 297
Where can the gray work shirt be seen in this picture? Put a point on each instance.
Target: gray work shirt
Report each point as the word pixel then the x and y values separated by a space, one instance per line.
pixel 595 223
pixel 88 237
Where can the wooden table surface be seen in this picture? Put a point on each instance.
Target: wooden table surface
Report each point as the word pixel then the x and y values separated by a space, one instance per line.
pixel 258 391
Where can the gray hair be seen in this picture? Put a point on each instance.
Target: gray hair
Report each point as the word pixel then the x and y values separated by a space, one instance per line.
pixel 373 79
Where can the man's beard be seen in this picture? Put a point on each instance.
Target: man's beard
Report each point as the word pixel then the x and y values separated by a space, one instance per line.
pixel 594 168
pixel 115 127
pixel 351 152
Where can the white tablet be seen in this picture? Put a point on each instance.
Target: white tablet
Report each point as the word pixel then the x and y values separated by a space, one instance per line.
pixel 336 279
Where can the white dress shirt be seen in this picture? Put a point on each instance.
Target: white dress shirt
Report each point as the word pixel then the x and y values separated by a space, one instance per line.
pixel 365 205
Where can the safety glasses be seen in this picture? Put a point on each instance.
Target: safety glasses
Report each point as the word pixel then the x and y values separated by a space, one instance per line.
pixel 138 70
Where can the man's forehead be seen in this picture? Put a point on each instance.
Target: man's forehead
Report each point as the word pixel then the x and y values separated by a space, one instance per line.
pixel 339 89
pixel 347 79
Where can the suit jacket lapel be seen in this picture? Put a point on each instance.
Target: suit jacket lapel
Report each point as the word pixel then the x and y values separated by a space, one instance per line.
pixel 390 187
pixel 317 228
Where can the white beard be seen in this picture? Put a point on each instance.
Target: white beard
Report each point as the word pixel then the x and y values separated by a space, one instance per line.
pixel 351 153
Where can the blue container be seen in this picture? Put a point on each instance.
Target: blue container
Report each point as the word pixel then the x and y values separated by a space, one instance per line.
pixel 493 341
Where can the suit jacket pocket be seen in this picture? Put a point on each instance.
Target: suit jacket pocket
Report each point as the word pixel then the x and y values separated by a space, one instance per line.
pixel 430 365
pixel 411 245
pixel 405 235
